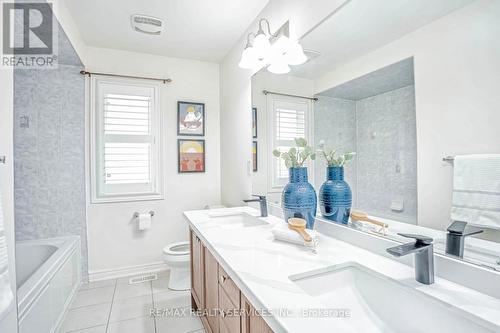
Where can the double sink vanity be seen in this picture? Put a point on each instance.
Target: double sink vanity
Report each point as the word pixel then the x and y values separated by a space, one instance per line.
pixel 403 120
pixel 243 280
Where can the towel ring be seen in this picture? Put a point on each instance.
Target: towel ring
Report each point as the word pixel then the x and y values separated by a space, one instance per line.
pixel 136 214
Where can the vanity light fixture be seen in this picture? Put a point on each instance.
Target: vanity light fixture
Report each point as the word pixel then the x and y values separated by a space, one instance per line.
pixel 249 57
pixel 276 51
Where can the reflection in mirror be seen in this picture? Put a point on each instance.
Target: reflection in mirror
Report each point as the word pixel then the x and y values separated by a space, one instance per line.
pixel 374 116
pixel 414 93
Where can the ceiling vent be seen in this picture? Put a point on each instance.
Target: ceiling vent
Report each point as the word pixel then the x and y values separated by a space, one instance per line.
pixel 147 24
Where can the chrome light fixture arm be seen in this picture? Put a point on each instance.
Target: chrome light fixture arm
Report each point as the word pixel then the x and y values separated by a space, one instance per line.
pixel 268 28
pixel 250 34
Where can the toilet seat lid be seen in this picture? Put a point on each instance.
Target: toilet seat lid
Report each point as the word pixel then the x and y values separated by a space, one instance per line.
pixel 177 249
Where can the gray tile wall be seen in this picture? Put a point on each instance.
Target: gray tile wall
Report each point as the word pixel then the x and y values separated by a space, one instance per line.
pixel 387 154
pixel 382 130
pixel 335 122
pixel 49 155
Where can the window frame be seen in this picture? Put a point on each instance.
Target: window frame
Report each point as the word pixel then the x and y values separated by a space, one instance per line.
pixel 130 192
pixel 273 184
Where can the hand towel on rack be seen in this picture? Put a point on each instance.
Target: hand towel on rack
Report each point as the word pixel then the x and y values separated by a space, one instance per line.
pixel 6 295
pixel 476 190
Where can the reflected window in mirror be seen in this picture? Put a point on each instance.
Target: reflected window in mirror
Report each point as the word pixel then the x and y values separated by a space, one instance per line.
pixel 290 120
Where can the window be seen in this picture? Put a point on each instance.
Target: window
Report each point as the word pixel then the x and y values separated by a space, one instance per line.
pixel 126 141
pixel 290 120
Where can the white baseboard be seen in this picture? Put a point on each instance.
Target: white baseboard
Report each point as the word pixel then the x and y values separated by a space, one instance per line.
pixel 115 273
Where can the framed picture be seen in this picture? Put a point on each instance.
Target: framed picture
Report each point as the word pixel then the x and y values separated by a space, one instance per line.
pixel 190 118
pixel 190 155
pixel 254 155
pixel 254 123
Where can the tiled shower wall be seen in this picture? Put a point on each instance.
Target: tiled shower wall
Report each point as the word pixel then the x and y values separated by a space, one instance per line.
pixel 49 150
pixel 387 154
pixel 382 130
pixel 335 123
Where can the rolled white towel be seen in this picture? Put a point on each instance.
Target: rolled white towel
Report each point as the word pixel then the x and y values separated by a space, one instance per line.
pixel 283 233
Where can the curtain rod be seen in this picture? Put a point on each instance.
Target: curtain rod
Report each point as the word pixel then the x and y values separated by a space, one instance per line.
pixel 127 76
pixel 281 94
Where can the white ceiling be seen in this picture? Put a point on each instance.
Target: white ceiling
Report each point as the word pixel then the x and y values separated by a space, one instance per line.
pixel 194 29
pixel 386 79
pixel 366 25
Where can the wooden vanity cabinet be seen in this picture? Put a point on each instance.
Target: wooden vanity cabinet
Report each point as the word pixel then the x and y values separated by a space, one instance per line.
pixel 197 271
pixel 251 322
pixel 211 290
pixel 216 294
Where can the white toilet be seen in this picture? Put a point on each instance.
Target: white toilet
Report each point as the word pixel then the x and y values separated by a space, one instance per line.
pixel 176 256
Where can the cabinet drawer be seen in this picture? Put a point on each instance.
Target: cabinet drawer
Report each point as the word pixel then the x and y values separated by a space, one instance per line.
pixel 229 319
pixel 229 287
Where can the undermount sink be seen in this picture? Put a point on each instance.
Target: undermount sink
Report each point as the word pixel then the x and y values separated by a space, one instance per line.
pixel 238 220
pixel 380 304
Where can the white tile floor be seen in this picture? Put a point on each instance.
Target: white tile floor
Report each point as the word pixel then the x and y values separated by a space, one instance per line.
pixel 114 306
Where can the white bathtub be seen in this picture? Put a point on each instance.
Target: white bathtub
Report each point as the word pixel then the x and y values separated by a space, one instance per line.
pixel 48 275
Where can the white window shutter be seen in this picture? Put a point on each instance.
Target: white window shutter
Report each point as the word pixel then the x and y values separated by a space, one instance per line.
pixel 127 156
pixel 291 120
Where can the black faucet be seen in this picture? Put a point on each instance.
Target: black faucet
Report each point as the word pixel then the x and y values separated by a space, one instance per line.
pixel 424 256
pixel 455 238
pixel 263 203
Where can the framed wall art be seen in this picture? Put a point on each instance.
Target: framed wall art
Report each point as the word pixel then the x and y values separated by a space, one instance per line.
pixel 190 155
pixel 190 118
pixel 254 156
pixel 254 123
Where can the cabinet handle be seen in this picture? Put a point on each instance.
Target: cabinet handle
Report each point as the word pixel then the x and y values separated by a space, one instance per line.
pixel 223 278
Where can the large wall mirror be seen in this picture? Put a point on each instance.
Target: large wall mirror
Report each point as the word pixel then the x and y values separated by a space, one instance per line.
pixel 412 87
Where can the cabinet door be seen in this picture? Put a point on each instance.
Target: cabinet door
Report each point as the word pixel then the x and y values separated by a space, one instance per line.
pixel 211 290
pixel 229 316
pixel 251 322
pixel 197 271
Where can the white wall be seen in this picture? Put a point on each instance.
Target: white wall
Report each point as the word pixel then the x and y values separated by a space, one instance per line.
pixel 286 84
pixel 236 118
pixel 67 22
pixel 457 75
pixel 9 322
pixel 114 244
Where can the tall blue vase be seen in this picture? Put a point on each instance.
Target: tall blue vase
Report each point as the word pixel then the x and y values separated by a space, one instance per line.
pixel 335 197
pixel 299 198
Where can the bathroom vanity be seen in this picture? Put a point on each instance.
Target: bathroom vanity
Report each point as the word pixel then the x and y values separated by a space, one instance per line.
pixel 238 267
pixel 215 295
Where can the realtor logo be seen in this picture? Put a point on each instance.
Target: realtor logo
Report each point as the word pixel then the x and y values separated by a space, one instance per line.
pixel 29 33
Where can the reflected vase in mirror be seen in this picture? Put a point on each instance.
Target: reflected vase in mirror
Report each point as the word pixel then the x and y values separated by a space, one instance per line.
pixel 299 197
pixel 335 197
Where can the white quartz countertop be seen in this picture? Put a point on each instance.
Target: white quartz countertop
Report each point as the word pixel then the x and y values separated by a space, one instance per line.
pixel 260 266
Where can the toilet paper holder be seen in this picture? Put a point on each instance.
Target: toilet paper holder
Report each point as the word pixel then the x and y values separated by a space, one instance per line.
pixel 136 214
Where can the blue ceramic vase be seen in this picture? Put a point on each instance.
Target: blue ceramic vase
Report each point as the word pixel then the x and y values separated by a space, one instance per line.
pixel 335 197
pixel 299 198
